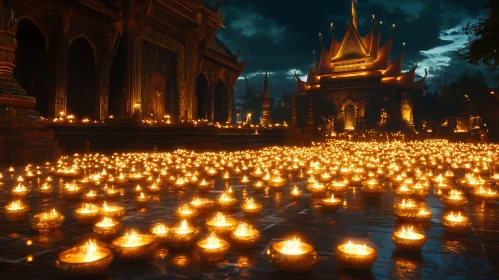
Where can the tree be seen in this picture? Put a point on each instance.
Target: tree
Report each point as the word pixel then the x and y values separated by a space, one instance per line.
pixel 482 47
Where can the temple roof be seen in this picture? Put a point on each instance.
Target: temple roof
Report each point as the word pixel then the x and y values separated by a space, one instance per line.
pixel 218 45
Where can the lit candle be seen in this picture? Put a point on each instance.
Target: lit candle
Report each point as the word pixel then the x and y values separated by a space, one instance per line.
pixel 186 212
pixel 107 228
pixel 296 193
pixel 142 200
pixel 71 191
pixel 44 189
pixel 212 248
pixel 250 207
pixel 317 189
pixel 356 256
pixel 454 200
pixel 19 191
pixel 485 195
pixel 205 186
pixel 201 204
pixel 405 191
pixel 407 210
pixel 183 235
pixel 292 256
pixel 91 195
pixel 86 260
pixel 111 193
pixel 113 211
pixel 338 187
pixel 457 224
pixel 226 201
pixel 15 211
pixel 160 231
pixel 221 225
pixel 87 214
pixel 245 236
pixel 47 221
pixel 407 239
pixel 372 188
pixel 258 185
pixel 277 182
pixel 134 246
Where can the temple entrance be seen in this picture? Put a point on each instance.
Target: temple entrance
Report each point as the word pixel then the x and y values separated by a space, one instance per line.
pixel 82 94
pixel 220 102
pixel 202 93
pixel 118 94
pixel 32 64
pixel 350 118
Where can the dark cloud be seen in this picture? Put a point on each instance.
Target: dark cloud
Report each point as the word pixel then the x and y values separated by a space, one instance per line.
pixel 279 35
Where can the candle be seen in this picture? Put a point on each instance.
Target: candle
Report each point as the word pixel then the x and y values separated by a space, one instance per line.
pixel 44 189
pixel 245 180
pixel 325 177
pixel 407 239
pixel 226 201
pixel 91 195
pixel 154 188
pixel 296 193
pixel 405 191
pixel 292 256
pixel 180 183
pixel 201 204
pixel 250 207
pixel 485 195
pixel 183 235
pixel 220 224
pixel 258 185
pixel 424 215
pixel 338 186
pixel 356 256
pixel 457 224
pixel 185 212
pixel 257 173
pixel 205 186
pixel 212 249
pixel 454 200
pixel 111 193
pixel 160 232
pixel 317 189
pixel 331 203
pixel 107 228
pixel 47 221
pixel 134 246
pixel 15 211
pixel 87 214
pixel 20 191
pixel 142 200
pixel 372 188
pixel 245 236
pixel 113 211
pixel 84 261
pixel 277 182
pixel 420 191
pixel 407 210
pixel 71 191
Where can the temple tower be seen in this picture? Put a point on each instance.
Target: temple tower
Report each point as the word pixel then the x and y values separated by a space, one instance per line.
pixel 266 103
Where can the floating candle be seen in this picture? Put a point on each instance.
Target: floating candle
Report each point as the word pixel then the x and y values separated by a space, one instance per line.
pixel 87 214
pixel 160 232
pixel 407 239
pixel 47 221
pixel 134 246
pixel 186 212
pixel 245 236
pixel 212 249
pixel 86 260
pixel 250 207
pixel 356 256
pixel 107 228
pixel 457 224
pixel 292 256
pixel 183 235
pixel 15 211
pixel 220 224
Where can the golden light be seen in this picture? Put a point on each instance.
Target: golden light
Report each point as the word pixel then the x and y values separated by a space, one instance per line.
pixel 160 232
pixel 183 235
pixel 245 236
pixel 356 256
pixel 292 255
pixel 250 207
pixel 87 214
pixel 47 221
pixel 16 211
pixel 86 260
pixel 331 203
pixel 186 212
pixel 212 248
pixel 457 224
pixel 134 246
pixel 408 239
pixel 221 224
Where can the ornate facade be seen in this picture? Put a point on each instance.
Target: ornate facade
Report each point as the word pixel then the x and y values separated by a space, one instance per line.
pixel 358 75
pixel 96 58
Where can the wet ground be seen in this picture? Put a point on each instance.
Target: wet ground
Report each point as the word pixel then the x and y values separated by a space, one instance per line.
pixel 474 255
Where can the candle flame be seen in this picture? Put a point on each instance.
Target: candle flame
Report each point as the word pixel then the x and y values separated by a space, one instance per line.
pixel 356 249
pixel 292 247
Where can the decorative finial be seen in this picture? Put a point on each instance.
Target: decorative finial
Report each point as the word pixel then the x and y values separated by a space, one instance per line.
pixel 403 44
pixel 320 37
pixel 425 73
pixel 380 22
pixel 331 27
pixel 393 25
pixel 374 17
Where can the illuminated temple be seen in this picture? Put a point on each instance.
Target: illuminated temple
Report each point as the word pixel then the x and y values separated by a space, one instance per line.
pixel 369 90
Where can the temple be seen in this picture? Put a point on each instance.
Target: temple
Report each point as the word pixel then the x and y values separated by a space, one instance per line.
pixel 369 90
pixel 100 58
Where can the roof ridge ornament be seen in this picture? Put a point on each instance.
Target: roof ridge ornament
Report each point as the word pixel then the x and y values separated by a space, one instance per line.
pixel 354 14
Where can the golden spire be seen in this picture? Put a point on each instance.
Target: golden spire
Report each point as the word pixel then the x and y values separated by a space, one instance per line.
pixel 354 14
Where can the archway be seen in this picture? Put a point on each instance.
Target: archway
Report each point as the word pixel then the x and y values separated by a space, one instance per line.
pixel 32 64
pixel 220 103
pixel 202 93
pixel 82 94
pixel 350 116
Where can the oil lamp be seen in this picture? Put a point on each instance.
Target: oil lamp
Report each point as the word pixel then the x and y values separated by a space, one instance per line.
pixel 160 232
pixel 292 256
pixel 201 204
pixel 250 207
pixel 44 189
pixel 356 256
pixel 244 180
pixel 87 214
pixel 226 201
pixel 134 246
pixel 226 176
pixel 71 191
pixel 183 235
pixel 407 210
pixel 245 236
pixel 15 211
pixel 47 221
pixel 404 191
pixel 407 239
pixel 142 200
pixel 107 228
pixel 485 195
pixel 154 188
pixel 317 189
pixel 90 196
pixel 454 200
pixel 258 185
pixel 19 191
pixel 113 211
pixel 137 189
pixel 185 212
pixel 257 173
pixel 325 177
pixel 205 186
pixel 296 193
pixel 180 183
pixel 372 188
pixel 221 225
pixel 420 191
pixel 338 187
pixel 277 182
pixel 424 215
pixel 212 248
pixel 111 193
pixel 331 203
pixel 84 261
pixel 457 224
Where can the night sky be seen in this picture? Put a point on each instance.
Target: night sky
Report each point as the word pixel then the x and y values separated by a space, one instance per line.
pixel 279 35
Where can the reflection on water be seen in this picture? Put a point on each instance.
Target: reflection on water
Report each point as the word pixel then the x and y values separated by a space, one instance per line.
pixel 180 260
pixel 453 247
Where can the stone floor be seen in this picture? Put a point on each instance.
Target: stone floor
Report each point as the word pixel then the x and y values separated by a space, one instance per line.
pixel 445 256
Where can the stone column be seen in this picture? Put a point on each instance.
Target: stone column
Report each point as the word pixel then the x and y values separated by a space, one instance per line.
pixel 230 99
pixel 61 96
pixel 105 74
pixel 211 98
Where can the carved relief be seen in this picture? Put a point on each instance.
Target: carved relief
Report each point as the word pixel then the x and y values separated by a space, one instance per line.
pixel 175 46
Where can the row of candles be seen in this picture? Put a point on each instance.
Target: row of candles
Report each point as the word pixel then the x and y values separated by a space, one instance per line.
pixel 408 181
